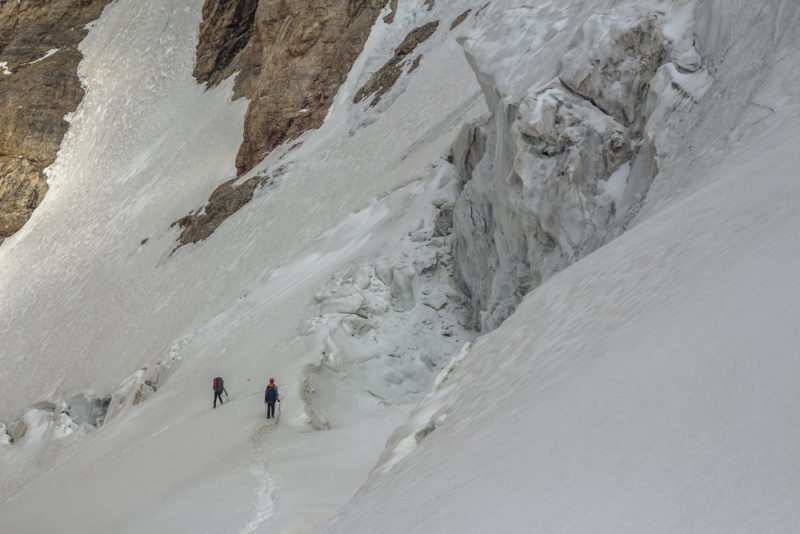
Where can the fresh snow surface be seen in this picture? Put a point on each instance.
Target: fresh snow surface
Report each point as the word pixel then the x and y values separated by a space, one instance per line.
pixel 650 387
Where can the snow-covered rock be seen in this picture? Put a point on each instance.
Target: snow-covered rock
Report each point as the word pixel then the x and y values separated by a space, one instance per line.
pixel 136 389
pixel 88 409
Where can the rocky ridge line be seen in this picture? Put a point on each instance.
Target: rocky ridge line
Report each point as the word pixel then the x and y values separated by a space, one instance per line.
pixel 226 200
pixel 384 78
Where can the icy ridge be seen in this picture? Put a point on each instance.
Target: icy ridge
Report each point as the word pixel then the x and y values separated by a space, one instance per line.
pixel 41 431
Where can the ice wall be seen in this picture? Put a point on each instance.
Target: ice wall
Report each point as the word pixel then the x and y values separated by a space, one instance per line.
pixel 564 161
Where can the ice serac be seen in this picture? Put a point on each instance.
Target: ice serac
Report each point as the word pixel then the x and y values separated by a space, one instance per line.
pixel 382 330
pixel 39 85
pixel 560 168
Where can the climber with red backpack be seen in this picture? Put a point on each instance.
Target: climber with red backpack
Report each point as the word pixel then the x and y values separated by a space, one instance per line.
pixel 219 388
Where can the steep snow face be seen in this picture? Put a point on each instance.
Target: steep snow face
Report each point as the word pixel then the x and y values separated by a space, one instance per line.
pixel 101 293
pixel 566 159
pixel 647 386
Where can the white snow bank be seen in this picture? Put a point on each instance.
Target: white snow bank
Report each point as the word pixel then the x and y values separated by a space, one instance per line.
pixel 145 146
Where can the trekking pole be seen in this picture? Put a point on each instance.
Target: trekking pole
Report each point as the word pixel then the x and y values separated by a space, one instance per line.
pixel 278 419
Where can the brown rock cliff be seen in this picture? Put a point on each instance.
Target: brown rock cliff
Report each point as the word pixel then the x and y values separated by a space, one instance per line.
pixel 302 53
pixel 224 39
pixel 292 57
pixel 297 55
pixel 39 84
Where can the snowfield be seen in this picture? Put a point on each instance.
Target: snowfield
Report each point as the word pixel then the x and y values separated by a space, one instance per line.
pixel 649 382
pixel 648 388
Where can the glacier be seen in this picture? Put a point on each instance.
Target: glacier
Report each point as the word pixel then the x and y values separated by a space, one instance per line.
pixel 547 284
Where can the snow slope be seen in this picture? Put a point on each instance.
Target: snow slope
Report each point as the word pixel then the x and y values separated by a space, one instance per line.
pixel 648 387
pixel 651 387
pixel 92 291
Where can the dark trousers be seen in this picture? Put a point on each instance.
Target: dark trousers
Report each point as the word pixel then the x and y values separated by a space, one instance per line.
pixel 270 410
pixel 217 395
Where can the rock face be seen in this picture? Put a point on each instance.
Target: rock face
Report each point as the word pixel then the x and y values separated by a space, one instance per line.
pixel 557 173
pixel 389 18
pixel 459 19
pixel 291 57
pixel 225 34
pixel 302 52
pixel 385 78
pixel 226 200
pixel 39 84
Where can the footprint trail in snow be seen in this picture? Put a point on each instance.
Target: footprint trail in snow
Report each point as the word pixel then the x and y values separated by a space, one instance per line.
pixel 264 503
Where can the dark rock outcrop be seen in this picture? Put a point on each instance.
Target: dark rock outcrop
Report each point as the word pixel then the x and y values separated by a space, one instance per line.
pixel 39 84
pixel 225 34
pixel 459 19
pixel 388 19
pixel 302 52
pixel 291 58
pixel 226 200
pixel 384 79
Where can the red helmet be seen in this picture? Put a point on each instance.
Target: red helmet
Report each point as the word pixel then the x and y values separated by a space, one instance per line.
pixel 271 380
